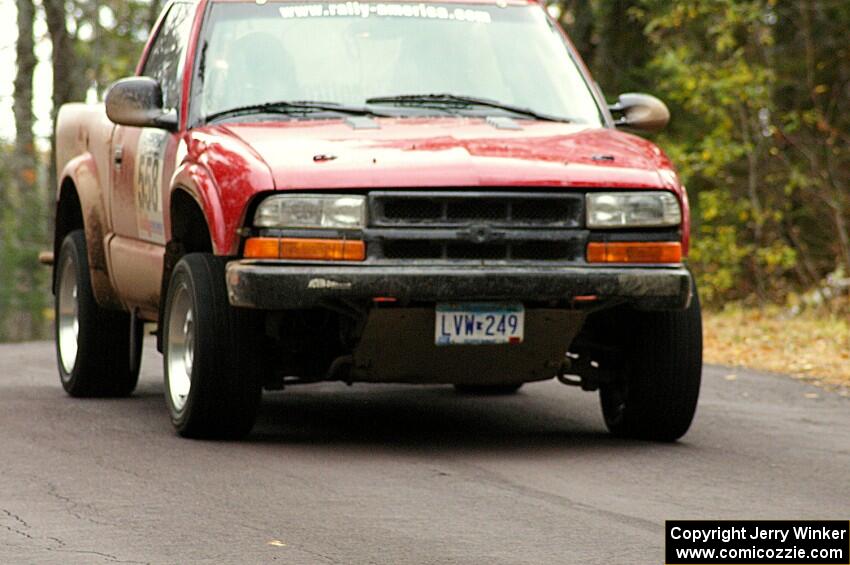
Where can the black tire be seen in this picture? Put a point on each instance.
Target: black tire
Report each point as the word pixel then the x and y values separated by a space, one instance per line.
pixel 657 397
pixel 489 390
pixel 224 389
pixel 100 364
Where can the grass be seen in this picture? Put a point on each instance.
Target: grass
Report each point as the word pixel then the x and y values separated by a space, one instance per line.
pixel 812 346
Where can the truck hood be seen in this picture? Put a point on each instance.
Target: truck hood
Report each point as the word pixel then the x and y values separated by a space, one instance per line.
pixel 448 152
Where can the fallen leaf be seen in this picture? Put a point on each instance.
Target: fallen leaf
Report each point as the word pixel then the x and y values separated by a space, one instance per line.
pixel 276 543
pixel 731 377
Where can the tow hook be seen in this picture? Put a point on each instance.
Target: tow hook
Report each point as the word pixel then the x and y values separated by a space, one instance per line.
pixel 564 377
pixel 588 379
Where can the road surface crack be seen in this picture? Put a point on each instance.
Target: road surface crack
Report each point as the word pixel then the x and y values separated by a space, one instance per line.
pixel 72 506
pixel 327 558
pixel 20 521
pixel 63 548
pixel 15 517
pixel 58 541
pixel 108 556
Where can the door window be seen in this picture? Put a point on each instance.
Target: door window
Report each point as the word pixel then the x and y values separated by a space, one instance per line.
pixel 166 57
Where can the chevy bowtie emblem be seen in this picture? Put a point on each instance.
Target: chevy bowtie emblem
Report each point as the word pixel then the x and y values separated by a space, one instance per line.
pixel 481 233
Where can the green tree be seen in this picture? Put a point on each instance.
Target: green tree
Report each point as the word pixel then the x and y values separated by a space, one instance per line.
pixel 811 127
pixel 758 90
pixel 94 42
pixel 22 298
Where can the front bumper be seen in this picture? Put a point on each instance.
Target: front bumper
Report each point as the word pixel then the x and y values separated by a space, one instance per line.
pixel 283 286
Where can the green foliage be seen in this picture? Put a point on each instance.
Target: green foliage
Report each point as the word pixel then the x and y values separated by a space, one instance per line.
pixel 7 226
pixel 717 245
pixel 23 283
pixel 709 61
pixel 107 37
pixel 758 91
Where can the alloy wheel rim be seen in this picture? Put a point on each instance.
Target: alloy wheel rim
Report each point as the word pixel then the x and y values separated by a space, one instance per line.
pixel 180 348
pixel 69 317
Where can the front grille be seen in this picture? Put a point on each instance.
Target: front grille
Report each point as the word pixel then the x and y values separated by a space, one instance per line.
pixel 498 209
pixel 477 226
pixel 404 249
pixel 520 251
pixel 398 210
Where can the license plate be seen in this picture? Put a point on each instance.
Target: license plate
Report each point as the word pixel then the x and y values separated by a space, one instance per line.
pixel 479 324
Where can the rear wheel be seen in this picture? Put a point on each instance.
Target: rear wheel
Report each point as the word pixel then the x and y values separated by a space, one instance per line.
pixel 656 398
pixel 489 390
pixel 92 343
pixel 211 381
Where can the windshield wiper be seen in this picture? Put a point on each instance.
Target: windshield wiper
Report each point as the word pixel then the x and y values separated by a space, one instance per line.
pixel 294 107
pixel 455 100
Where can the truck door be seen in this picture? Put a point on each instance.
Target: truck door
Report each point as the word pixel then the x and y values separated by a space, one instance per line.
pixel 143 161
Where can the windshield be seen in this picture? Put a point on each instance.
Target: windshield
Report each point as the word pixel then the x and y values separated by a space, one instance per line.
pixel 350 53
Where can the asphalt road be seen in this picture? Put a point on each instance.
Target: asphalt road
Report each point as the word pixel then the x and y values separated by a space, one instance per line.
pixel 394 474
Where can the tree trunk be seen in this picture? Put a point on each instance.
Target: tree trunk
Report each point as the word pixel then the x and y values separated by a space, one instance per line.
pixel 23 317
pixel 26 61
pixel 842 234
pixel 67 81
pixel 578 19
pixel 751 136
pixel 621 48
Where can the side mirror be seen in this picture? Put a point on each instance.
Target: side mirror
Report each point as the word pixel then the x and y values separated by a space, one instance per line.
pixel 641 112
pixel 137 101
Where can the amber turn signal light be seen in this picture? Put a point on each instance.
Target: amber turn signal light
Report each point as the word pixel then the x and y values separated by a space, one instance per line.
pixel 306 249
pixel 262 248
pixel 634 252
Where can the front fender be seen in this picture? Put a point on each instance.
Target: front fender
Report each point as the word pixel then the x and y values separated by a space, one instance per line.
pixel 199 184
pixel 223 175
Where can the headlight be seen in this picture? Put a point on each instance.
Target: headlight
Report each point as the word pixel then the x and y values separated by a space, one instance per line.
pixel 319 211
pixel 632 210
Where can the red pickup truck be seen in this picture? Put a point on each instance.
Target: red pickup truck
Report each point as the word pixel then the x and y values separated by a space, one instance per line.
pixel 353 191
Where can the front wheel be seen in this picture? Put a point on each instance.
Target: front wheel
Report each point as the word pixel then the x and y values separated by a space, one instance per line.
pixel 656 398
pixel 211 383
pixel 93 345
